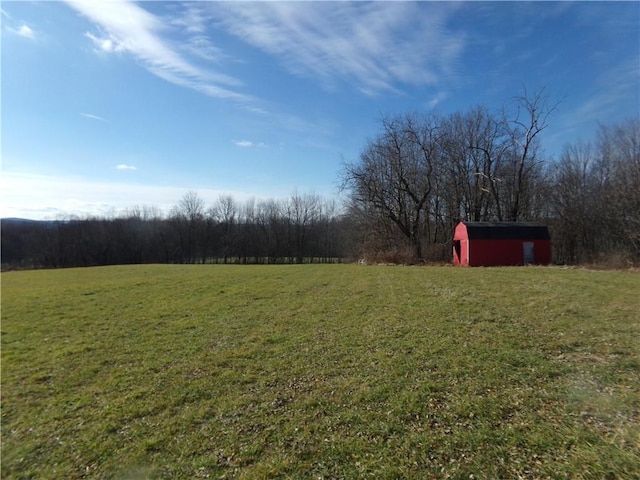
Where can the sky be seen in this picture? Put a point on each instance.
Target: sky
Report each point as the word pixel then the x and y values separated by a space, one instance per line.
pixel 111 105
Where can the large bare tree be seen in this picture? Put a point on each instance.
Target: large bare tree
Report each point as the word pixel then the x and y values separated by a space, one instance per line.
pixel 476 144
pixel 393 178
pixel 530 120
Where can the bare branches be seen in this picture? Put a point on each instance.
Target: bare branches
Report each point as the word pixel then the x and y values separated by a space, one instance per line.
pixel 423 172
pixel 524 134
pixel 394 175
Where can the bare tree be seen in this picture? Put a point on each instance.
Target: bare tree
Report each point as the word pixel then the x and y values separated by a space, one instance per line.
pixel 225 212
pixel 476 144
pixel 532 114
pixel 189 217
pixel 619 149
pixel 303 211
pixel 573 202
pixel 393 179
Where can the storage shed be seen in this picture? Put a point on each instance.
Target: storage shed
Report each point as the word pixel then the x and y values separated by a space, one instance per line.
pixel 486 244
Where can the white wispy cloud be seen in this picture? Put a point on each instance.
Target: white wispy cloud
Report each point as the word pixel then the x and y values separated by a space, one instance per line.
pixel 615 85
pixel 104 44
pixel 24 31
pixel 374 45
pixel 201 46
pixel 93 117
pixel 125 27
pixel 192 17
pixel 437 99
pixel 248 144
pixel 124 166
pixel 579 119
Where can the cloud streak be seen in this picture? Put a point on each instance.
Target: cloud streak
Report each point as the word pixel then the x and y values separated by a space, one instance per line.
pixel 375 47
pixel 617 84
pixel 93 117
pixel 123 166
pixel 126 28
pixel 350 42
pixel 24 31
pixel 248 144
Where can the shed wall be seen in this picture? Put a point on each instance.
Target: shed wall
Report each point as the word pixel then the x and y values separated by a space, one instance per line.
pixel 506 252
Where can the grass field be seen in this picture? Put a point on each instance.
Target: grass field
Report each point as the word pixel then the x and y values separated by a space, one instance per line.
pixel 320 371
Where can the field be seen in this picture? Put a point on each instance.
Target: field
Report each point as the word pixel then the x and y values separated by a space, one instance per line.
pixel 320 371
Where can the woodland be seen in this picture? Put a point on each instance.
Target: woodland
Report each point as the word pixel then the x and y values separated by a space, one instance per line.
pixel 413 181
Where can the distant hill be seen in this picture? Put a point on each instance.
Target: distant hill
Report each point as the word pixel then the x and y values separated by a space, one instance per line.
pixel 17 220
pixel 27 221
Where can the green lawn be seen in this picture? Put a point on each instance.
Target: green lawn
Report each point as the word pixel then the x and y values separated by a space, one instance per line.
pixel 320 371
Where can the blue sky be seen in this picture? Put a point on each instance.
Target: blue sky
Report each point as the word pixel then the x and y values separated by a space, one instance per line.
pixel 112 104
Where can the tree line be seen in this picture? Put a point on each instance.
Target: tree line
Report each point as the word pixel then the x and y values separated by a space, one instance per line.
pixel 425 172
pixel 594 197
pixel 302 228
pixel 419 176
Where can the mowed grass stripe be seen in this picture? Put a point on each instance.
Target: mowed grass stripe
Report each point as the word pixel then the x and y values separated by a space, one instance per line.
pixel 320 371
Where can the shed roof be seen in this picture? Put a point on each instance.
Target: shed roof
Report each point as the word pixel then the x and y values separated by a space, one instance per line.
pixel 506 231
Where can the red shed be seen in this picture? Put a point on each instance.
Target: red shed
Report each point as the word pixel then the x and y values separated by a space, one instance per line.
pixel 486 244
